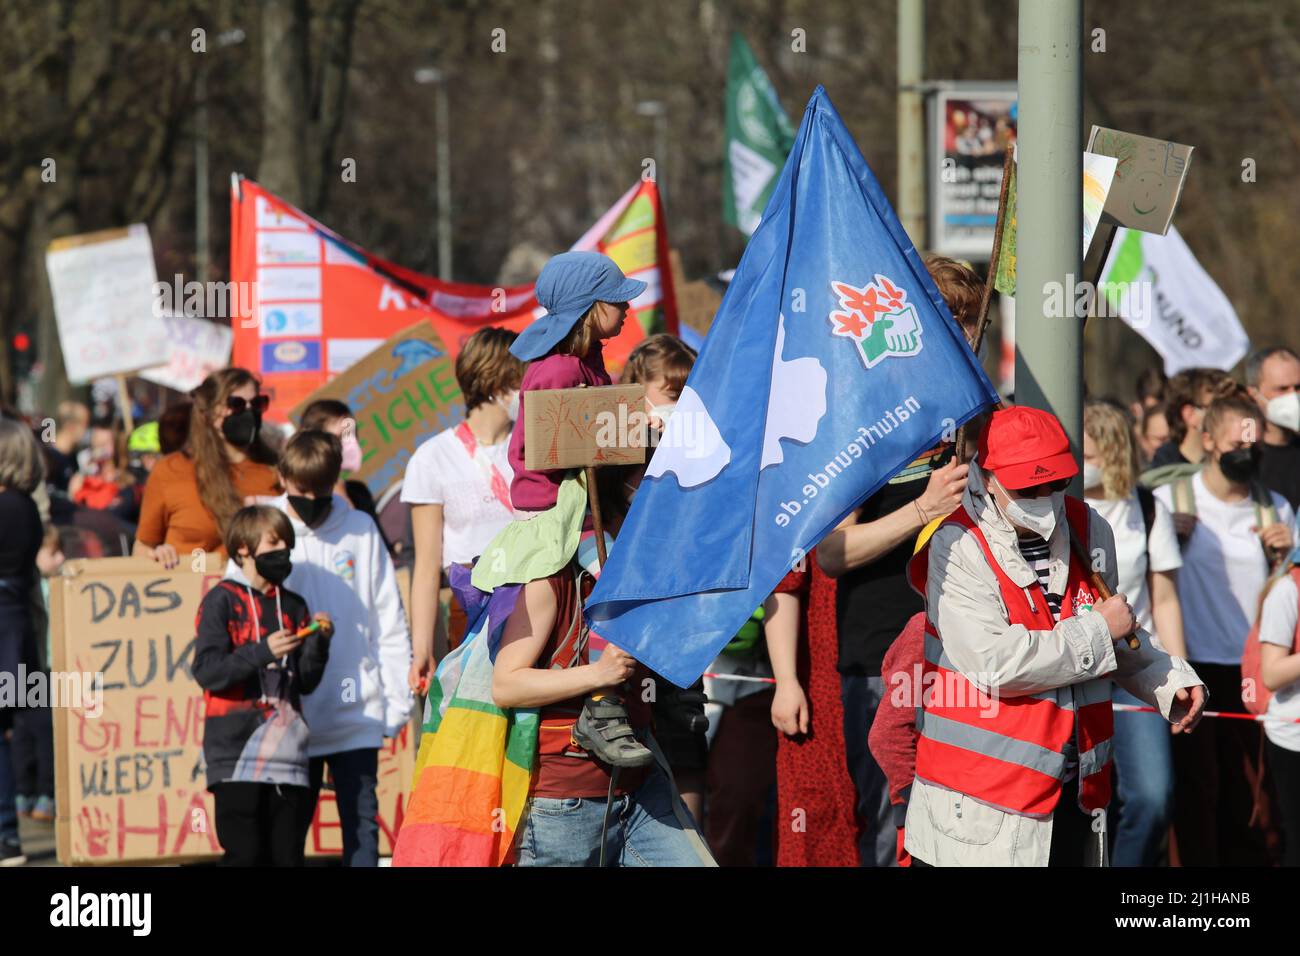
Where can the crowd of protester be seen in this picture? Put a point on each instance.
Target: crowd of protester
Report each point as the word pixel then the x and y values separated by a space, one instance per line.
pixel 793 749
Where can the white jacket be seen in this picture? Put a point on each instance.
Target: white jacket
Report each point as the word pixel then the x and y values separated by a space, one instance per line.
pixel 343 569
pixel 963 599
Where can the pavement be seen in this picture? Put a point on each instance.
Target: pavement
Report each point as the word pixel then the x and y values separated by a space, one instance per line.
pixel 38 842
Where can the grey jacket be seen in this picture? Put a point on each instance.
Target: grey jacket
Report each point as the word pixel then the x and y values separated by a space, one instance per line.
pixel 947 828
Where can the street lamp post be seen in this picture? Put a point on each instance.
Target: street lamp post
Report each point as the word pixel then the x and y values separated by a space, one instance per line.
pixel 442 133
pixel 911 120
pixel 202 245
pixel 1049 347
pixel 658 111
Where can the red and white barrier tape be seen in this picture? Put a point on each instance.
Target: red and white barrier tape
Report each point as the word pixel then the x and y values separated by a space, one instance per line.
pixel 752 680
pixel 1128 708
pixel 1260 718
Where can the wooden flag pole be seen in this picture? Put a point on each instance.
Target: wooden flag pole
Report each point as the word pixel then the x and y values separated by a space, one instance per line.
pixel 1077 547
pixel 982 323
pixel 1101 267
pixel 1105 254
pixel 597 522
pixel 124 401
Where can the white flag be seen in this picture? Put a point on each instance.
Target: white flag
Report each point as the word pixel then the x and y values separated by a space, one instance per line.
pixel 1155 284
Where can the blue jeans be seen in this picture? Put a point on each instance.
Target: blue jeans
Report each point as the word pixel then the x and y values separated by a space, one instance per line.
pixel 877 834
pixel 1144 792
pixel 643 830
pixel 356 775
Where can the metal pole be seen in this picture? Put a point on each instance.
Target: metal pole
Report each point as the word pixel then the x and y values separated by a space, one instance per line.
pixel 911 120
pixel 443 120
pixel 202 252
pixel 1049 335
pixel 657 110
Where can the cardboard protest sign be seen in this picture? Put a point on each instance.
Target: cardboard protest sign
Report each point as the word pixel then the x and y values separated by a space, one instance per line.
pixel 396 772
pixel 197 349
pixel 1004 280
pixel 103 289
pixel 129 774
pixel 576 427
pixel 1149 177
pixel 130 784
pixel 1098 174
pixel 401 393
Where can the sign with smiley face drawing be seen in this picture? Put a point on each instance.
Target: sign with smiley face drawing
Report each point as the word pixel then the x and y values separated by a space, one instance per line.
pixel 1149 177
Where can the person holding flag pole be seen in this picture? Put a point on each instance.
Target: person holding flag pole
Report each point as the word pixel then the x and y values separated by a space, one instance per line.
pixel 1013 760
pixel 832 362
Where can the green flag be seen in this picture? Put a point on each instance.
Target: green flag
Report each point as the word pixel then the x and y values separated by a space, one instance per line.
pixel 759 137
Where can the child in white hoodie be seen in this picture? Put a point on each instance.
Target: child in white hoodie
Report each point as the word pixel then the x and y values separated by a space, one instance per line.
pixel 341 566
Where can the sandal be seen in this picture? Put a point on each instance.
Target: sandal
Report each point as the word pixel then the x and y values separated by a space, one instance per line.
pixel 603 730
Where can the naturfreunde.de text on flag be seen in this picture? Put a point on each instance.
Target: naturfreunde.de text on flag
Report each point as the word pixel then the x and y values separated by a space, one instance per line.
pixel 832 361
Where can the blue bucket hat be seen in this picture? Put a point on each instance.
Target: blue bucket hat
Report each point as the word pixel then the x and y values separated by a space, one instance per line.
pixel 570 284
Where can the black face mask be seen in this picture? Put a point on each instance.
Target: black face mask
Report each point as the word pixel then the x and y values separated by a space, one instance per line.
pixel 241 428
pixel 274 565
pixel 1240 464
pixel 312 511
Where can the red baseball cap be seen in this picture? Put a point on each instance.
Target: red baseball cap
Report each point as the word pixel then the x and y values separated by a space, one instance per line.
pixel 1024 447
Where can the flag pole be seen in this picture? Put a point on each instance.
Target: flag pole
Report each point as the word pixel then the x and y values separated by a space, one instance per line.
pixel 597 523
pixel 982 324
pixel 1101 267
pixel 124 400
pixel 1098 583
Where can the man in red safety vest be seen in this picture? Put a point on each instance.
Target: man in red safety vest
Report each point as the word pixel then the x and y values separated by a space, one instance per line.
pixel 1013 761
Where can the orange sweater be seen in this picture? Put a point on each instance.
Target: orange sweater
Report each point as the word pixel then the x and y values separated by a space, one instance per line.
pixel 172 512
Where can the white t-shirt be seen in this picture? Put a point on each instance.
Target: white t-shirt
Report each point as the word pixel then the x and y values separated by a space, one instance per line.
pixel 1224 569
pixel 442 472
pixel 1277 625
pixel 1135 553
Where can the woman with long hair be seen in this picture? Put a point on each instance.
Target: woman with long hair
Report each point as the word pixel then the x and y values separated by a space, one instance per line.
pixel 192 494
pixel 1148 558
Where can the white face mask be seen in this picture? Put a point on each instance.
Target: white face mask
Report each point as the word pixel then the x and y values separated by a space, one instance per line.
pixel 1034 514
pixel 663 412
pixel 511 404
pixel 1092 477
pixel 1284 411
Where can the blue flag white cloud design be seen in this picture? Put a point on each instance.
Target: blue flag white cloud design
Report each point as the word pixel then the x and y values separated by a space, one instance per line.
pixel 832 362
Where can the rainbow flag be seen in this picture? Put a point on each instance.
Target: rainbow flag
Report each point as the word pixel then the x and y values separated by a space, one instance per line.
pixel 474 768
pixel 475 762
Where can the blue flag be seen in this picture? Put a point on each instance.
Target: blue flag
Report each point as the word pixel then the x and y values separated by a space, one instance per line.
pixel 832 362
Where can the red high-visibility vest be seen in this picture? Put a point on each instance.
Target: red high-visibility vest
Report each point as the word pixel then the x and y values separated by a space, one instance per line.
pixel 1009 752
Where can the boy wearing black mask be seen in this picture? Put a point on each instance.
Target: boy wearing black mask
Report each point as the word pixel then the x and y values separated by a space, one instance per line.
pixel 253 662
pixel 341 565
pixel 1232 531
